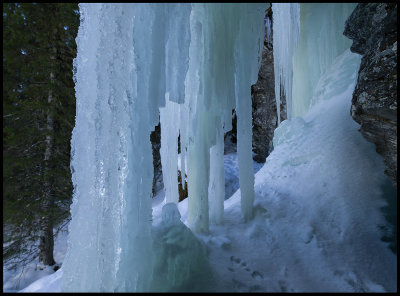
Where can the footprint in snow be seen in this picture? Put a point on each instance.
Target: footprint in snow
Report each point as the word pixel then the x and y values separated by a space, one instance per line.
pixel 257 275
pixel 237 262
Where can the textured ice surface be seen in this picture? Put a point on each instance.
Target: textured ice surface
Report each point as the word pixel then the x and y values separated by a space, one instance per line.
pixel 316 60
pixel 225 55
pixel 286 24
pixel 180 259
pixel 109 246
pixel 169 118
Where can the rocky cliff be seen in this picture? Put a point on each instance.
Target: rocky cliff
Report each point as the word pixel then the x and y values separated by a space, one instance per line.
pixel 373 29
pixel 265 118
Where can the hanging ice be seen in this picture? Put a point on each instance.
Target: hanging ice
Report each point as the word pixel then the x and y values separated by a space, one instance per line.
pixel 307 44
pixel 169 117
pixel 321 41
pixel 268 29
pixel 286 23
pixel 224 62
pixel 134 59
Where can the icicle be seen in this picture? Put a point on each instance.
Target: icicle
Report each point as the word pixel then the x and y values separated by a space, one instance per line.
pixel 216 187
pixel 169 118
pixel 286 23
pixel 247 63
pixel 177 49
pixel 268 29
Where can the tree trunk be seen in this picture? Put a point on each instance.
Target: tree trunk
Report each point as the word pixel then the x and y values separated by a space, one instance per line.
pixel 46 224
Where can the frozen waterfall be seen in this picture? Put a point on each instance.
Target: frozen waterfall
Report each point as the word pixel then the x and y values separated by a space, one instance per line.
pixel 134 61
pixel 307 39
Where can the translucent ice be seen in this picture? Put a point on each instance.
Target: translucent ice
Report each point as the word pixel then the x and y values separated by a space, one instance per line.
pixel 321 41
pixel 305 47
pixel 286 24
pixel 180 259
pixel 194 63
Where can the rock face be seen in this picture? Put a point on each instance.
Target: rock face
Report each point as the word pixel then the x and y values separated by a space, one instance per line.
pixel 373 29
pixel 155 138
pixel 265 118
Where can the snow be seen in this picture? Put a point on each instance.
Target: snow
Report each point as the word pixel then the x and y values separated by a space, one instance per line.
pixel 15 280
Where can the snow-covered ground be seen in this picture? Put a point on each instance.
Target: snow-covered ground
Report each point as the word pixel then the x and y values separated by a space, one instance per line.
pixel 318 208
pixel 15 280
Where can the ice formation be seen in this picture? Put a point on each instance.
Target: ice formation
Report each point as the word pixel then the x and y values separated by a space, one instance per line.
pixel 286 24
pixel 134 60
pixel 180 260
pixel 268 30
pixel 308 43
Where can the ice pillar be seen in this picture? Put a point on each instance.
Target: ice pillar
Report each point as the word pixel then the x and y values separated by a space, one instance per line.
pixel 247 64
pixel 216 187
pixel 169 118
pixel 109 247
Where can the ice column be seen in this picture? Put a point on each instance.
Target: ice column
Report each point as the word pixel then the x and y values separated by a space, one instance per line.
pixel 225 55
pixel 169 118
pixel 247 64
pixel 216 187
pixel 109 247
pixel 286 23
pixel 177 62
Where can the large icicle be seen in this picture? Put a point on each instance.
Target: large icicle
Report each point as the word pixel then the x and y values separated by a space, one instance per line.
pixel 247 64
pixel 225 56
pixel 286 24
pixel 216 187
pixel 169 118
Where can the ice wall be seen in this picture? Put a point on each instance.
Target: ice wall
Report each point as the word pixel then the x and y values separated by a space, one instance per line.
pixel 321 41
pixel 194 63
pixel 305 47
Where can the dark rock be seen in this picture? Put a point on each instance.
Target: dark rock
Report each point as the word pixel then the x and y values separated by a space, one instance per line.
pixel 373 29
pixel 230 138
pixel 265 118
pixel 155 138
